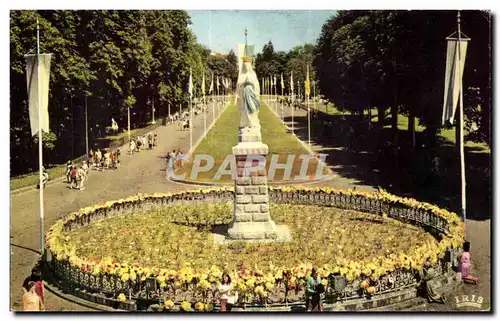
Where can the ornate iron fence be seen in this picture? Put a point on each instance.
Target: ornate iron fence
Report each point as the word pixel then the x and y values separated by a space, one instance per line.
pixel 73 277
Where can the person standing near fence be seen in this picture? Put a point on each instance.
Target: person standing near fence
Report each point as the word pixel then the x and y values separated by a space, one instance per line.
pixel 155 140
pixel 31 301
pixel 314 288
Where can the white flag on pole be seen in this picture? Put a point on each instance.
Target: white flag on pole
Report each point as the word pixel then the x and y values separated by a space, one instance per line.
pixel 211 85
pixel 453 78
pixel 203 84
pixel 38 73
pixel 291 84
pixel 190 89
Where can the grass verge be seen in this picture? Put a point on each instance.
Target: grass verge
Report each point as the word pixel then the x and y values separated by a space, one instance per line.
pixel 223 136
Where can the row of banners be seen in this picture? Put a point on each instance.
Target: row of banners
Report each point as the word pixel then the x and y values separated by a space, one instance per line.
pixel 271 81
pixel 226 82
pixel 38 78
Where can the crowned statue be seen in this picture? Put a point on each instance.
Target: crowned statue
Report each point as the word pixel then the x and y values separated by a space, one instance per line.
pixel 248 94
pixel 247 99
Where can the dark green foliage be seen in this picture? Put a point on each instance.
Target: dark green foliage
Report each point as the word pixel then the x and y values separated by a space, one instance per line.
pixel 396 59
pixel 116 59
pixel 271 63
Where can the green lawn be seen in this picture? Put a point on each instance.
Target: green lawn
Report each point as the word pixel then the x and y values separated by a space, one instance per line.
pixel 122 135
pixel 446 134
pixel 224 135
pixel 329 109
pixel 33 178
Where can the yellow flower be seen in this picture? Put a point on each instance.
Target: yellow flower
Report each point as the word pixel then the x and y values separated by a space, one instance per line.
pixel 186 306
pixel 209 307
pixel 204 284
pixel 199 306
pixel 250 282
pixel 259 289
pixel 242 286
pixel 324 282
pixel 169 304
pixel 371 290
pixel 122 297
pixel 364 284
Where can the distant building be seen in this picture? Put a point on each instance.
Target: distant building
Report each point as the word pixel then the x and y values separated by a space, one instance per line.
pixel 216 54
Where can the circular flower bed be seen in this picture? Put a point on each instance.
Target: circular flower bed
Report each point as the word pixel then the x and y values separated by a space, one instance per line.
pixel 163 248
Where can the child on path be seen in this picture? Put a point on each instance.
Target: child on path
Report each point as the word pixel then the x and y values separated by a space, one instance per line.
pixel 465 265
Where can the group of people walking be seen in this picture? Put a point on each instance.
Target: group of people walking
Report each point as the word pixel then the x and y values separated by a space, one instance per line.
pixel 173 159
pixel 77 174
pixel 183 119
pixel 104 159
pixel 149 141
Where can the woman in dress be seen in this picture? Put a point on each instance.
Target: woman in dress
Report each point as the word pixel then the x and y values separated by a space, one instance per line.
pixel 228 296
pixel 31 300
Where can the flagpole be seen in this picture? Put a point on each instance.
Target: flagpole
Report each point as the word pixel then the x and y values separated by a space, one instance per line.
pixel 204 114
pixel 308 122
pixel 275 94
pixel 190 123
pixel 190 110
pixel 153 111
pixel 462 155
pixel 169 110
pixel 282 97
pixel 204 105
pixel 128 122
pixel 292 98
pixel 40 140
pixel 298 91
pixel 86 128
pixel 314 94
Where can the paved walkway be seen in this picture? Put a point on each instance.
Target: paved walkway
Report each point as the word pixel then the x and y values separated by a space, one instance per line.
pixel 301 132
pixel 143 172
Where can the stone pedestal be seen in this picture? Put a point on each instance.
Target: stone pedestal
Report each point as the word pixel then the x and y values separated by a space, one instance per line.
pixel 251 204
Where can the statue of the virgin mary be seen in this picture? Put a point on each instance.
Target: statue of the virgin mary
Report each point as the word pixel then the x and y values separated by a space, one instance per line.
pixel 248 94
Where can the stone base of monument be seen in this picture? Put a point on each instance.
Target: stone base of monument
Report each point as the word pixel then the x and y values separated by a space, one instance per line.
pixel 251 233
pixel 252 221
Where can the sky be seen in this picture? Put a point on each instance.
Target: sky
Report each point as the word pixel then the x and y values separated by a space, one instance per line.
pixel 222 30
